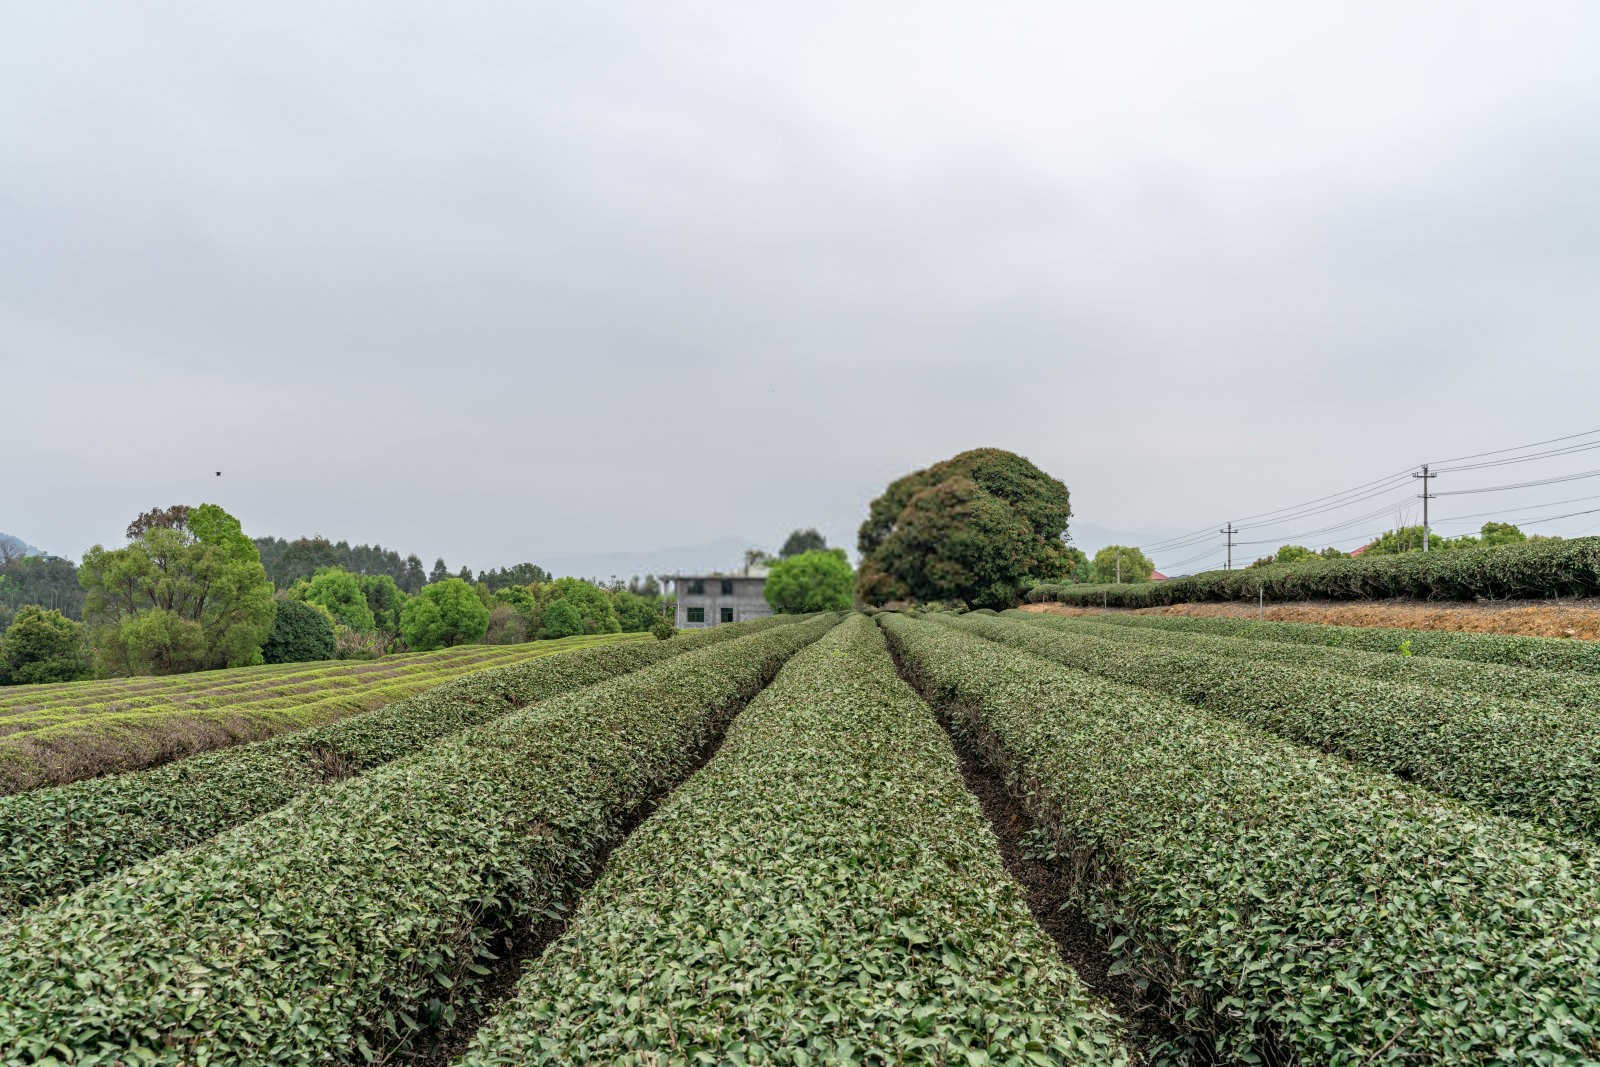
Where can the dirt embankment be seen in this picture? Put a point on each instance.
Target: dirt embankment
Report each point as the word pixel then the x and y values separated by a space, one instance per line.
pixel 1535 618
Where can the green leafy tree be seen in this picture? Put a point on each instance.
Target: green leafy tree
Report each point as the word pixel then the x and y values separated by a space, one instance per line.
pixel 811 581
pixel 444 614
pixel 979 527
pixel 1286 554
pixel 189 593
pixel 1494 534
pixel 1122 563
pixel 385 600
pixel 300 632
pixel 802 541
pixel 592 603
pixel 506 627
pixel 635 613
pixel 42 645
pixel 1408 539
pixel 341 593
pixel 1079 569
pixel 439 573
pixel 562 619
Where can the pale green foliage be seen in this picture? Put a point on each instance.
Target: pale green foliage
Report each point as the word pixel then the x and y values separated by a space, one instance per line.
pixel 561 619
pixel 178 598
pixel 366 916
pixel 447 612
pixel 819 580
pixel 817 914
pixel 1122 563
pixel 341 593
pixel 1283 907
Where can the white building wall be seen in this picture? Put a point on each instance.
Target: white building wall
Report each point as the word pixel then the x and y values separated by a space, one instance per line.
pixel 746 601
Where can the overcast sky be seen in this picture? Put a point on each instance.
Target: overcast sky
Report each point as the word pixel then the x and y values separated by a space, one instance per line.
pixel 527 281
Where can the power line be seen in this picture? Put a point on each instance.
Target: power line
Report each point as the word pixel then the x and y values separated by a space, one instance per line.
pixel 1569 450
pixel 1521 485
pixel 1507 511
pixel 1518 448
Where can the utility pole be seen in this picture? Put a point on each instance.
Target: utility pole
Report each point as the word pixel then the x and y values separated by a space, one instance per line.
pixel 1426 496
pixel 1119 566
pixel 1230 531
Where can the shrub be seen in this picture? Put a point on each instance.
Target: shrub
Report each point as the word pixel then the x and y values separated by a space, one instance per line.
pixel 1538 762
pixel 1537 653
pixel 810 581
pixel 444 614
pixel 42 645
pixel 1531 569
pixel 300 632
pixel 663 629
pixel 1566 688
pixel 788 847
pixel 364 917
pixel 1283 907
pixel 56 840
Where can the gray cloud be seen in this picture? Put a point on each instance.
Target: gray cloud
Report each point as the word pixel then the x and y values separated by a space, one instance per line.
pixel 519 281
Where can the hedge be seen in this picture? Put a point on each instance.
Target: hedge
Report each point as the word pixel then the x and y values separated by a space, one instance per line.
pixel 1535 569
pixel 357 922
pixel 835 896
pixel 1283 905
pixel 1491 679
pixel 1537 653
pixel 55 840
pixel 1534 761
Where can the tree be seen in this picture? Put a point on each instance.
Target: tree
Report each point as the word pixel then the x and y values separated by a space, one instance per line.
pixel 444 614
pixel 521 574
pixel 384 600
pixel 1122 563
pixel 42 645
pixel 757 557
pixel 1493 534
pixel 506 626
pixel 811 581
pixel 189 593
pixel 340 592
pixel 592 603
pixel 300 632
pixel 980 527
pixel 1286 554
pixel 561 619
pixel 1078 567
pixel 1408 539
pixel 802 541
pixel 635 613
pixel 440 572
pixel 415 578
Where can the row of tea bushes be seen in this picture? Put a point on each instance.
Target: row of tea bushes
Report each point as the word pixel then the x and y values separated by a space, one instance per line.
pixel 66 742
pixel 835 897
pixel 361 919
pixel 1287 907
pixel 57 839
pixel 1534 653
pixel 1535 761
pixel 1567 688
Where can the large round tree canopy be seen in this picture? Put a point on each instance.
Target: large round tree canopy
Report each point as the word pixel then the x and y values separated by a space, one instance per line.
pixel 978 527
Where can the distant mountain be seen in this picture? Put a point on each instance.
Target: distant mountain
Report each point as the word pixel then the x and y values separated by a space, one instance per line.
pixel 723 554
pixel 17 546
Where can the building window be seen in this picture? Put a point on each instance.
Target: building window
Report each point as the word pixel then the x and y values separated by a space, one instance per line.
pixel 697 614
pixel 697 588
pixel 727 614
pixel 727 587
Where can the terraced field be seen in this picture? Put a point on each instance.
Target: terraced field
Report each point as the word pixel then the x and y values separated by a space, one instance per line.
pixel 944 839
pixel 61 732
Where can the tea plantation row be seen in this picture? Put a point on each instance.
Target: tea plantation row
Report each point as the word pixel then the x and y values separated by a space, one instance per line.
pixel 82 729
